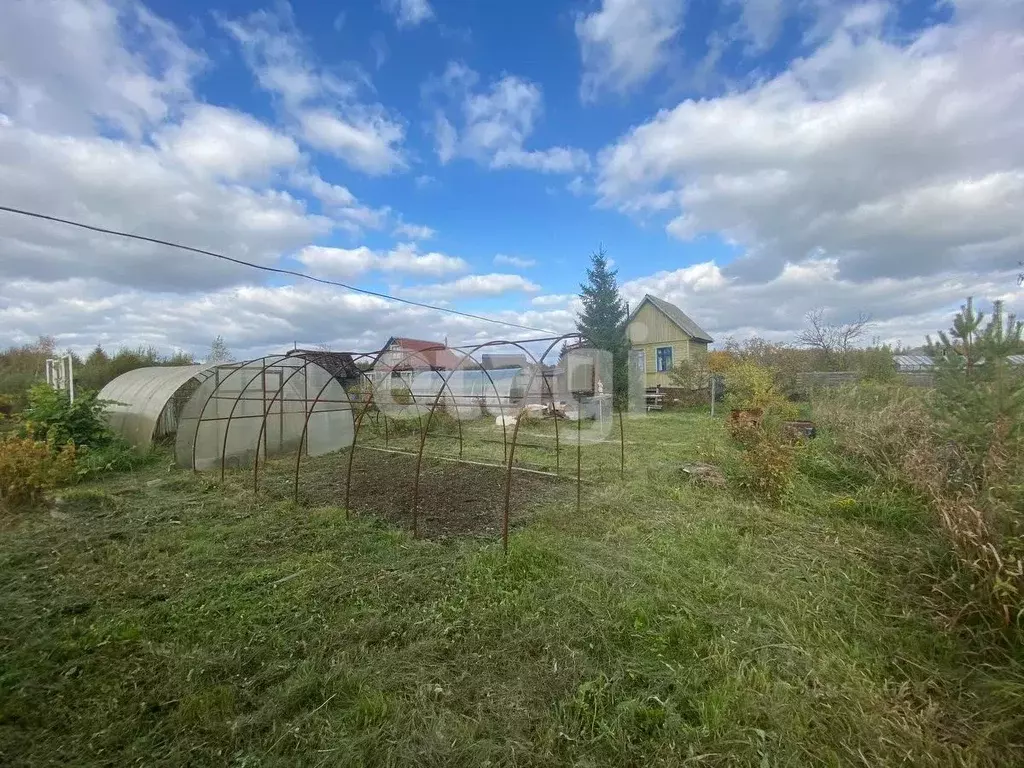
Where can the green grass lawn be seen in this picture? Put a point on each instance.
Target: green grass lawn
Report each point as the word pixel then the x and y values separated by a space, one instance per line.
pixel 161 618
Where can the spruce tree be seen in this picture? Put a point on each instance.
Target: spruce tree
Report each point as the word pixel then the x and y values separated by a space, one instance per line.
pixel 603 319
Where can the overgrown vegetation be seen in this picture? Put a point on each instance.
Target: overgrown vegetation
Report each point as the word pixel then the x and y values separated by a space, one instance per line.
pixel 53 417
pixel 163 620
pixel 958 446
pixel 786 363
pixel 855 599
pixel 30 468
pixel 979 411
pixel 757 425
pixel 55 442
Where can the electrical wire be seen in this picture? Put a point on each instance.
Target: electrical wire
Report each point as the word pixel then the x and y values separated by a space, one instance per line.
pixel 275 270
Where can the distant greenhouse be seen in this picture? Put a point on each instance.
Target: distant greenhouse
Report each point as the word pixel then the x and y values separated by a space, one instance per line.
pixel 913 363
pixel 924 363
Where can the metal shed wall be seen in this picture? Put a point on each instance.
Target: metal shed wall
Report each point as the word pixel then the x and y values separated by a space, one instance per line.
pixel 141 397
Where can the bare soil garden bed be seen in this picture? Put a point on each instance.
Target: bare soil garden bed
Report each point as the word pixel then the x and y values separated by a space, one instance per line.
pixel 455 499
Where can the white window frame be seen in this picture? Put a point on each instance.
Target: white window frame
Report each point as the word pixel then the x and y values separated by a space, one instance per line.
pixel 658 358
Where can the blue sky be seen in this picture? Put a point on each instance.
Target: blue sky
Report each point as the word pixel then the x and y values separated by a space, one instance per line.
pixel 748 160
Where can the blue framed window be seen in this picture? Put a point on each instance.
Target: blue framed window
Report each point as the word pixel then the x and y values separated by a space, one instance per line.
pixel 663 358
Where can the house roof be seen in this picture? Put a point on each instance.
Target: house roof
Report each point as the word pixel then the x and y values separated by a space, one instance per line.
pixel 434 353
pixel 676 315
pixel 339 364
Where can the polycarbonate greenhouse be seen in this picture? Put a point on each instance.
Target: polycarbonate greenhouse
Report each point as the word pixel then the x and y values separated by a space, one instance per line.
pixel 145 404
pixel 465 393
pixel 309 403
pixel 271 406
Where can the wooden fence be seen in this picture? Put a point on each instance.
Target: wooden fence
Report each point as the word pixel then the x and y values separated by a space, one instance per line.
pixel 831 379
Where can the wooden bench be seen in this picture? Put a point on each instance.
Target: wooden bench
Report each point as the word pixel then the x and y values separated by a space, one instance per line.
pixel 655 400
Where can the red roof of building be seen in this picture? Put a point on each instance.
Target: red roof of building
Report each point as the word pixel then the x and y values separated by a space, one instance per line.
pixel 433 354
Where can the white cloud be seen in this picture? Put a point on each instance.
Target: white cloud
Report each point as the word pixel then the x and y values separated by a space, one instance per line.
pixel 446 138
pixel 276 54
pixel 404 258
pixel 369 143
pixel 337 262
pixel 514 261
pixel 552 299
pixel 413 231
pixel 227 144
pixel 407 259
pixel 624 42
pixel 408 13
pixel 253 320
pixel 208 176
pixel 496 284
pixel 325 107
pixel 331 195
pixel 339 203
pixel 503 115
pixel 899 160
pixel 75 65
pixel 491 125
pixel 141 189
pixel 380 49
pixel 761 20
pixel 759 23
pixel 554 160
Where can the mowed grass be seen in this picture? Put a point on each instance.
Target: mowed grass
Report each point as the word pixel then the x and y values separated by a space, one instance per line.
pixel 161 618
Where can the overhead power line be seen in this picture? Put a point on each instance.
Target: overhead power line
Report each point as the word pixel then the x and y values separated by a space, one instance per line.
pixel 275 270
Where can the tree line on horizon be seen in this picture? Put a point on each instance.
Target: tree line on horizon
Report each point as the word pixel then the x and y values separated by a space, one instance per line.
pixel 24 365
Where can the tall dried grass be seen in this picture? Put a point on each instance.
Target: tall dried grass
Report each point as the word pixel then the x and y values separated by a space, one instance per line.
pixel 891 430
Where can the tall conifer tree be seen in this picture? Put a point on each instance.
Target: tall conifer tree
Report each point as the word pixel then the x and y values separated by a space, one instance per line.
pixel 603 319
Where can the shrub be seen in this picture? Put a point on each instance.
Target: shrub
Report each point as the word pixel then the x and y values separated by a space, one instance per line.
pixel 783 361
pixel 52 417
pixel 750 386
pixel 874 363
pixel 29 468
pixel 769 460
pixel 693 373
pixel 117 456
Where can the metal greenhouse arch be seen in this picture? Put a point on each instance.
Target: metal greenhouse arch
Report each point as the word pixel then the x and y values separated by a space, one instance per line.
pixel 306 404
pixel 263 406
